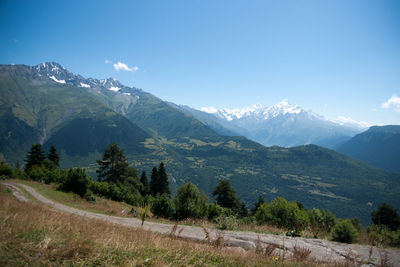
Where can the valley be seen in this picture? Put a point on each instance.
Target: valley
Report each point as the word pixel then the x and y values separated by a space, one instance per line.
pixel 81 120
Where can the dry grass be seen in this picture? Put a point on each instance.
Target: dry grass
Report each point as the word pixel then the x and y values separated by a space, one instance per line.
pixel 31 234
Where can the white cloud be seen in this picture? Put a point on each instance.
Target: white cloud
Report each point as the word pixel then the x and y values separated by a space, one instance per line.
pixel 209 110
pixel 347 121
pixel 107 61
pixel 122 66
pixel 393 102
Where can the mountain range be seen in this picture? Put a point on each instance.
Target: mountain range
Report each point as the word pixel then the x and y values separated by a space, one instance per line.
pixel 80 116
pixel 283 124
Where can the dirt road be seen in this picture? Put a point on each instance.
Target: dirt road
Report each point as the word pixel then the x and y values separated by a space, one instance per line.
pixel 321 250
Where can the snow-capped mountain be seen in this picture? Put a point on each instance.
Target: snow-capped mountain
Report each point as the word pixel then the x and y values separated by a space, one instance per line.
pixel 282 124
pixel 123 97
pixel 59 74
pixel 256 112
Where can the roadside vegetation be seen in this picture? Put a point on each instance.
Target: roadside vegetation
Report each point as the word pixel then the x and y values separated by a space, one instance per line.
pixel 120 182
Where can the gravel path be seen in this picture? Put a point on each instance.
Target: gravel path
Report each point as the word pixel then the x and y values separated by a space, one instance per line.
pixel 321 250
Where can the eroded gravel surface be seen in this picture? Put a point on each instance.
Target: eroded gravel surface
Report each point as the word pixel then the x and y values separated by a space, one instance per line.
pixel 321 250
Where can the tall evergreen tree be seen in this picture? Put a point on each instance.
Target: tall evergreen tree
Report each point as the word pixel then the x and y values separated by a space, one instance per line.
pixel 53 156
pixel 163 178
pixel 159 181
pixel 146 187
pixel 225 195
pixel 113 166
pixel 154 182
pixel 35 157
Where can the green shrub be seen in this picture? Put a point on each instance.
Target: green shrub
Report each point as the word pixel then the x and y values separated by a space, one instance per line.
pixel 227 222
pixel 161 206
pixel 344 231
pixel 282 213
pixel 5 170
pixel 380 235
pixel 89 196
pixel 187 202
pixel 37 173
pixel 76 181
pixel 321 221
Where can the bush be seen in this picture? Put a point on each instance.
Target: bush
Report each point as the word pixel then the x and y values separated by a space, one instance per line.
pixel 380 235
pixel 344 231
pixel 282 213
pixel 89 196
pixel 187 202
pixel 321 221
pixel 161 206
pixel 37 173
pixel 116 192
pixel 5 170
pixel 76 181
pixel 227 222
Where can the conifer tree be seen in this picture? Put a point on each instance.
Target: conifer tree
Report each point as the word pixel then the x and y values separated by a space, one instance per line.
pixel 163 179
pixel 113 166
pixel 225 195
pixel 53 156
pixel 146 188
pixel 35 157
pixel 159 181
pixel 154 182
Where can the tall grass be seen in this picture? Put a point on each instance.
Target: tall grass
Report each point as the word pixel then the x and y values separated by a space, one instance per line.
pixel 31 234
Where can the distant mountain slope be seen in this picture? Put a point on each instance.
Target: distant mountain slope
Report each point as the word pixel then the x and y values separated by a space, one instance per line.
pixel 282 124
pixel 37 110
pixel 48 104
pixel 378 146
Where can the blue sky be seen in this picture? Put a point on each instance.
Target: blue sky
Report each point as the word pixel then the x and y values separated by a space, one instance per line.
pixel 338 58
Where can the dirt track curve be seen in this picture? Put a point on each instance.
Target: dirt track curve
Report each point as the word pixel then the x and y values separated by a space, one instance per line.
pixel 321 250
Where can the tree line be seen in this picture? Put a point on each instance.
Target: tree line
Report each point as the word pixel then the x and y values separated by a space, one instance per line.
pixel 120 182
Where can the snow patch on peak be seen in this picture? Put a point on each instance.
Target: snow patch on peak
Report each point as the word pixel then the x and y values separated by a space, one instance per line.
pixel 115 89
pixel 256 111
pixel 85 85
pixel 55 79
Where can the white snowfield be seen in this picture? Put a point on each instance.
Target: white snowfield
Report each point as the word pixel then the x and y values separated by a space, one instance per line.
pixel 321 250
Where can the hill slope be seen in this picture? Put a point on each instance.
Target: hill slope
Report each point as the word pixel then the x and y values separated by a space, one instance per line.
pixel 37 110
pixel 378 146
pixel 81 120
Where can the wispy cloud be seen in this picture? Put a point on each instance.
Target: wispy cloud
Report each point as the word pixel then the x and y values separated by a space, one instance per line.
pixel 122 66
pixel 393 102
pixel 342 120
pixel 209 110
pixel 107 61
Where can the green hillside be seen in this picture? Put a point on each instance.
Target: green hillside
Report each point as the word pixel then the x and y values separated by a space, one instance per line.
pixel 80 122
pixel 35 110
pixel 378 146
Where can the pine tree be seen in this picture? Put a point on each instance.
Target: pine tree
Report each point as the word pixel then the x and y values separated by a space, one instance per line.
pixel 146 188
pixel 159 181
pixel 113 166
pixel 163 179
pixel 35 157
pixel 154 182
pixel 53 156
pixel 225 195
